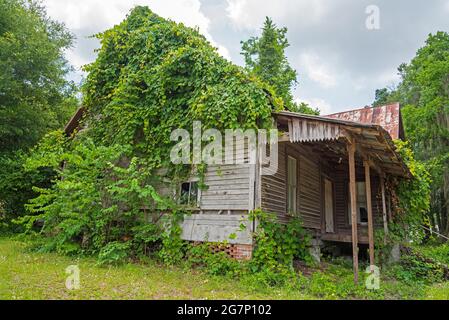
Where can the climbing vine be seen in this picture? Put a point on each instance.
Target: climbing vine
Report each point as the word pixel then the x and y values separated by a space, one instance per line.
pixel 411 198
pixel 151 76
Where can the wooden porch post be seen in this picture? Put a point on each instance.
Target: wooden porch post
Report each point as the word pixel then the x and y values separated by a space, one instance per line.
pixel 352 188
pixel 384 207
pixel 370 214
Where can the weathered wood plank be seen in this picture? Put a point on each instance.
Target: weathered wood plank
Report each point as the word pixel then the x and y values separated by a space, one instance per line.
pixel 217 228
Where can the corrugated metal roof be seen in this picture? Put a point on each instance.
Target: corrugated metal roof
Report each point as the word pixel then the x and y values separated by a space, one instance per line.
pixel 388 116
pixel 375 141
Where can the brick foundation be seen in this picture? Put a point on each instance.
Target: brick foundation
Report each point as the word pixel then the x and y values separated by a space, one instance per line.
pixel 235 251
pixel 242 251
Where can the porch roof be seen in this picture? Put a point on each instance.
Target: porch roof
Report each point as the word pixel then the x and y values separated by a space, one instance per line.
pixel 373 142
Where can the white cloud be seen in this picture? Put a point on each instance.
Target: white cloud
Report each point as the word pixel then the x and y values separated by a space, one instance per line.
pixel 249 14
pixel 386 78
pixel 324 107
pixel 100 15
pixel 317 70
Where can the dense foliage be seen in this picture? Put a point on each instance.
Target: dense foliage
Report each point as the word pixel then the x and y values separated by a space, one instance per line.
pixel 151 76
pixel 424 95
pixel 94 202
pixel 35 96
pixel 412 207
pixel 32 74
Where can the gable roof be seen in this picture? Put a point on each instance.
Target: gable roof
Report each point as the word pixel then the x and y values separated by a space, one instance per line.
pixel 388 116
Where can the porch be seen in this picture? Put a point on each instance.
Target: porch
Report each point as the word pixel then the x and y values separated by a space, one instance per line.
pixel 330 173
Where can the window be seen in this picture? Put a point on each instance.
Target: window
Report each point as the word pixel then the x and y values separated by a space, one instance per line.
pixel 362 211
pixel 292 185
pixel 361 202
pixel 189 193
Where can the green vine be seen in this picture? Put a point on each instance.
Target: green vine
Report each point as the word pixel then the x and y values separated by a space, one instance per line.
pixel 278 244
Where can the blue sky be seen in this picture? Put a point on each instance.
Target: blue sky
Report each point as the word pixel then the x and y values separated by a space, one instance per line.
pixel 340 62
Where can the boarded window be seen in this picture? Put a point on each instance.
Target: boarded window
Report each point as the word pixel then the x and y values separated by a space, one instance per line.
pixel 292 185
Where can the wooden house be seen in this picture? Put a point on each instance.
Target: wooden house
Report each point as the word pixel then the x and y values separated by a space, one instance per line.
pixel 331 172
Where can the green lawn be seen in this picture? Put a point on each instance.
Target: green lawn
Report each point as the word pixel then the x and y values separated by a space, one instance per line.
pixel 29 275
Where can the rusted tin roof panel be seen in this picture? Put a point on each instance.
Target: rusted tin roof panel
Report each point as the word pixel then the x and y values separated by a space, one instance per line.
pixel 388 117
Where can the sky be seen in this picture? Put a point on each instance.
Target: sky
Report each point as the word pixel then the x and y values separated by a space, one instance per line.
pixel 342 50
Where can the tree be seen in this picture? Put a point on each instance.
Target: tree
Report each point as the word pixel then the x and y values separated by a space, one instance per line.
pixel 424 95
pixel 265 57
pixel 35 96
pixel 385 96
pixel 302 107
pixel 33 88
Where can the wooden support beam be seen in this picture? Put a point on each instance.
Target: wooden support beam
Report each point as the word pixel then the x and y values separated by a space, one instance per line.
pixel 352 187
pixel 370 214
pixel 384 207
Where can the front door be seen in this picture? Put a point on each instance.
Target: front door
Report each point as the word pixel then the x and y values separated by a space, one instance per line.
pixel 329 205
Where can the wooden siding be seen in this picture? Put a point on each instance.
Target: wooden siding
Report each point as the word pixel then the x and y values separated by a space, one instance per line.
pixel 229 186
pixel 310 193
pixel 274 189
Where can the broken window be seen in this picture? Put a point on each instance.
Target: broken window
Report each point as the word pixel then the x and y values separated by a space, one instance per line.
pixel 362 211
pixel 189 193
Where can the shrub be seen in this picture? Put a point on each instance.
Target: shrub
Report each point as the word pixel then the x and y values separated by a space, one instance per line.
pixel 416 267
pixel 173 247
pixel 276 244
pixel 114 253
pixel 439 253
pixel 96 200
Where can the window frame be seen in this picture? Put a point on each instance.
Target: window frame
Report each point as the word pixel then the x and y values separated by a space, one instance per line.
pixel 360 203
pixel 198 194
pixel 292 211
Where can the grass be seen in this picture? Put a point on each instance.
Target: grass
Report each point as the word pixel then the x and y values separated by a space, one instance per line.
pixel 31 275
pixel 25 274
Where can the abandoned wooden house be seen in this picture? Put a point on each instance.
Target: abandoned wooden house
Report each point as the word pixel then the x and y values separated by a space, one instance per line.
pixel 331 172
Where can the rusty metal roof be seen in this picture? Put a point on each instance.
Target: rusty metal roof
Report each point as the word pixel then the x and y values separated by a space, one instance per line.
pixel 373 140
pixel 388 116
